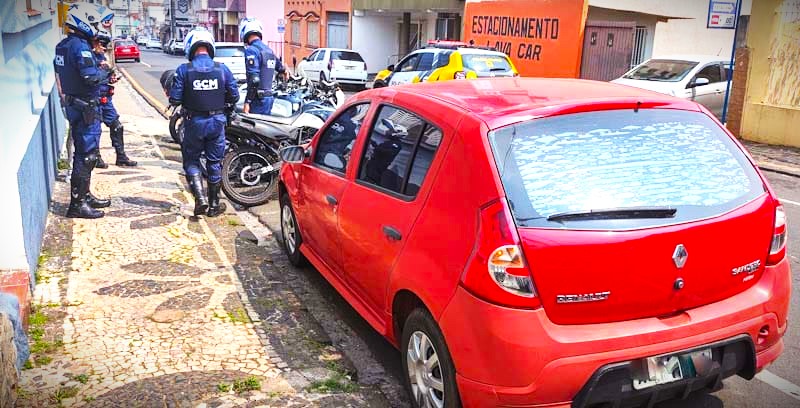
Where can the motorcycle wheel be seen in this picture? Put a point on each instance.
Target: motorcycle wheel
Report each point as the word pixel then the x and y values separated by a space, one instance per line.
pixel 176 128
pixel 245 180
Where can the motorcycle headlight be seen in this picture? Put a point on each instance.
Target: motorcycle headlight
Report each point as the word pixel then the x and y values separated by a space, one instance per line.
pixel 295 106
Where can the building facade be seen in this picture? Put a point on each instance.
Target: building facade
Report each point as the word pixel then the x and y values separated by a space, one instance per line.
pixel 31 138
pixel 126 16
pixel 314 24
pixel 222 17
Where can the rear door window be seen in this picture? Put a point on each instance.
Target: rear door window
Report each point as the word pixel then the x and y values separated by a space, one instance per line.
pixel 400 150
pixel 346 56
pixel 486 63
pixel 599 161
pixel 229 52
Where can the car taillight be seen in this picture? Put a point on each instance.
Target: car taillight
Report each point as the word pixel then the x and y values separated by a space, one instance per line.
pixel 460 75
pixel 777 248
pixel 497 271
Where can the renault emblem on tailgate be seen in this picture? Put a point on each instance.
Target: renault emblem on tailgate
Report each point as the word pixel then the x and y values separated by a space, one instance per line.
pixel 679 256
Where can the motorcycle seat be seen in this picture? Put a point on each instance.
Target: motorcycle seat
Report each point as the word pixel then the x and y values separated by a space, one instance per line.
pixel 271 119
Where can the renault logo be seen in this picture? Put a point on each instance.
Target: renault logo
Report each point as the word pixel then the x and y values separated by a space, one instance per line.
pixel 679 256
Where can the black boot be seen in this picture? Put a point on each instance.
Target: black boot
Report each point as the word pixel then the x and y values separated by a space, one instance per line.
pixel 200 200
pixel 119 145
pixel 78 204
pixel 95 202
pixel 101 164
pixel 215 208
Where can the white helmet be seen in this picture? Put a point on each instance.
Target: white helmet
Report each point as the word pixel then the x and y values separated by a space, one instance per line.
pixel 106 16
pixel 250 25
pixel 196 37
pixel 83 18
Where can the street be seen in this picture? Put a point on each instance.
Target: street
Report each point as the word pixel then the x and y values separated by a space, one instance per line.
pixel 377 362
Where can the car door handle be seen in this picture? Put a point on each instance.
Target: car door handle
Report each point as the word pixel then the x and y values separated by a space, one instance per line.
pixel 392 233
pixel 331 200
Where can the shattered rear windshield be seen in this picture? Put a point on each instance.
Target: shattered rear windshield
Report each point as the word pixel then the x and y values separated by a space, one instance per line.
pixel 621 159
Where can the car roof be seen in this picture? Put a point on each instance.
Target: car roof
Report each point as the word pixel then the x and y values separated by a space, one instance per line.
pixel 693 58
pixel 503 101
pixel 335 49
pixel 228 44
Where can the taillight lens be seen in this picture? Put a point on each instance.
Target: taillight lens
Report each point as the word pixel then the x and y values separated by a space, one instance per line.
pixel 460 75
pixel 497 271
pixel 777 249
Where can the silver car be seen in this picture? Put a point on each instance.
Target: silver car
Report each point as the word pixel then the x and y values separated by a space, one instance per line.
pixel 699 78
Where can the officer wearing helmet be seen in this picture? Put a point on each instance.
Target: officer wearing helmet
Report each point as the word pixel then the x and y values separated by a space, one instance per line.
pixel 79 78
pixel 109 115
pixel 261 65
pixel 206 89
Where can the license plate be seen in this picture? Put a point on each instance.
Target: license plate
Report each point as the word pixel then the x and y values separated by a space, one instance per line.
pixel 126 50
pixel 653 371
pixel 349 68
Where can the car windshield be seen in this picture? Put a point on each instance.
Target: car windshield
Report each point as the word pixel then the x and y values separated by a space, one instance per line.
pixel 485 63
pixel 229 52
pixel 346 56
pixel 675 165
pixel 661 70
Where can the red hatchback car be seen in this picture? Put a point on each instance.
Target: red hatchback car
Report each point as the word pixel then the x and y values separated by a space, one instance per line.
pixel 126 49
pixel 544 242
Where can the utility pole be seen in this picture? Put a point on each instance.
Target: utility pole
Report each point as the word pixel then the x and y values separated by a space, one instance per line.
pixel 172 17
pixel 130 26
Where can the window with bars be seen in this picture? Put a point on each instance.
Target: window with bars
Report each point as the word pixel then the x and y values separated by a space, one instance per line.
pixel 295 32
pixel 639 46
pixel 313 34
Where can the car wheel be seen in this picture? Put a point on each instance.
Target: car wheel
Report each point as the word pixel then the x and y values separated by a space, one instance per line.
pixel 291 233
pixel 430 375
pixel 138 60
pixel 378 84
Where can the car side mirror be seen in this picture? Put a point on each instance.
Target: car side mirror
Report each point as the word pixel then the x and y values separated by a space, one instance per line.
pixel 390 67
pixel 293 154
pixel 699 82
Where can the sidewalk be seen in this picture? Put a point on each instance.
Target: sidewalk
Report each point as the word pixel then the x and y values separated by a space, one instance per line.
pixel 146 306
pixel 780 159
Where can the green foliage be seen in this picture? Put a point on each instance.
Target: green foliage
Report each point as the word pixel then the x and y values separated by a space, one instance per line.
pixel 250 383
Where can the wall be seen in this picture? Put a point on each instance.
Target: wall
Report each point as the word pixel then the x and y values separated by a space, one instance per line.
pixel 9 378
pixel 268 11
pixel 303 11
pixel 683 36
pixel 647 20
pixel 771 111
pixel 30 138
pixel 375 38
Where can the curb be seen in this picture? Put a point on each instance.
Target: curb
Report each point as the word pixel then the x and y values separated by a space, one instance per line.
pixel 779 168
pixel 150 99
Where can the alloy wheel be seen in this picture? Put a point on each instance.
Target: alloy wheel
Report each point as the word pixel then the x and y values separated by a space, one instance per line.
pixel 424 372
pixel 289 232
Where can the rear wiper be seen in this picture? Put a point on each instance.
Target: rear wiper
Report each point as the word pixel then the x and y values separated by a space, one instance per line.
pixel 615 213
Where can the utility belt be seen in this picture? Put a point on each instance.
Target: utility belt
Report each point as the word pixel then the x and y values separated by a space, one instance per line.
pixel 263 93
pixel 87 107
pixel 190 113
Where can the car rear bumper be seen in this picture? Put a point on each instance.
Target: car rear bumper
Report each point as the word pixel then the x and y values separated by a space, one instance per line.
pixel 347 78
pixel 516 357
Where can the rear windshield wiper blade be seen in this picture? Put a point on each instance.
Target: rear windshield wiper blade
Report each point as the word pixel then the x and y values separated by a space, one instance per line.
pixel 615 213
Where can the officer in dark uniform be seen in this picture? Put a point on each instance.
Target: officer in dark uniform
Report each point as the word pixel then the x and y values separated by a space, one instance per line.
pixel 110 117
pixel 261 65
pixel 205 89
pixel 79 79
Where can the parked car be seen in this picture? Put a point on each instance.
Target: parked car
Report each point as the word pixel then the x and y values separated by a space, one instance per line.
pixel 176 47
pixel 335 64
pixel 699 78
pixel 232 55
pixel 141 41
pixel 544 242
pixel 446 60
pixel 154 43
pixel 126 49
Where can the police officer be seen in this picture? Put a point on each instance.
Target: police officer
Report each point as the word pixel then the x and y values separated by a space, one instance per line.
pixel 206 89
pixel 79 79
pixel 261 65
pixel 109 114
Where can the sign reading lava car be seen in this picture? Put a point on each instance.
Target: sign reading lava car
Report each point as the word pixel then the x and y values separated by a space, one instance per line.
pixel 543 39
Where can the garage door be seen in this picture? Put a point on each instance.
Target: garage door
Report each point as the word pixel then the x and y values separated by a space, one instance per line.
pixel 338 30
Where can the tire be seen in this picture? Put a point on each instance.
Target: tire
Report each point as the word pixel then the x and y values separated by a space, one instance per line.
pixel 176 128
pixel 238 181
pixel 290 233
pixel 419 325
pixel 138 60
pixel 378 84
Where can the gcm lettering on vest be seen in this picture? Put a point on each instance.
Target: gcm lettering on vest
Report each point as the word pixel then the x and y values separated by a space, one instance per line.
pixel 205 84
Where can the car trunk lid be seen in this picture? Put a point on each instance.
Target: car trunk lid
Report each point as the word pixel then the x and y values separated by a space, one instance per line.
pixel 605 276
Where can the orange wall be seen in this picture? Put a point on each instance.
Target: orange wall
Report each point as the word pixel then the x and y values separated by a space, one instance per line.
pixel 544 38
pixel 300 10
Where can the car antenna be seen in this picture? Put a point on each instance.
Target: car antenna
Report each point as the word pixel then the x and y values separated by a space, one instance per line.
pixel 638 104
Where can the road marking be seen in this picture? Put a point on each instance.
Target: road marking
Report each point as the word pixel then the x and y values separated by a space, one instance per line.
pixel 782 385
pixel 783 200
pixel 146 64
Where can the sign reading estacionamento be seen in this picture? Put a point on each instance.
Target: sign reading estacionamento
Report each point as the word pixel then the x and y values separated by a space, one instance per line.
pixel 721 14
pixel 544 38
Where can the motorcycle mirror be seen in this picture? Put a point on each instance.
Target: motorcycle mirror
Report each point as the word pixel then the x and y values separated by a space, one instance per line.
pixel 293 154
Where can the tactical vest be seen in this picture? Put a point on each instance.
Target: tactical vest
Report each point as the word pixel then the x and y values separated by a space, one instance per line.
pixel 69 53
pixel 204 91
pixel 267 67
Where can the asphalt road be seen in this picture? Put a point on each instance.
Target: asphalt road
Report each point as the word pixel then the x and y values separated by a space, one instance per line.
pixel 772 388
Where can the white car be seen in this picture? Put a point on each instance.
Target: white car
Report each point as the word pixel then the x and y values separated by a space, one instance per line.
pixel 141 40
pixel 153 43
pixel 335 64
pixel 232 55
pixel 700 78
pixel 176 47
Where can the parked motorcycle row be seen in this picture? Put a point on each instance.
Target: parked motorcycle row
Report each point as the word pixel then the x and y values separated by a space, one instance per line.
pixel 251 163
